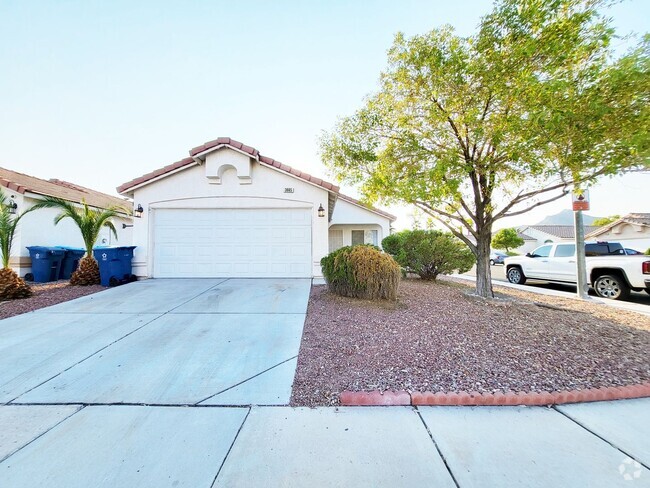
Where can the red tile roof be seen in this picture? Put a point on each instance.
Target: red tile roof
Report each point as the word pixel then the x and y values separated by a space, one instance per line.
pixel 223 142
pixel 367 207
pixel 21 183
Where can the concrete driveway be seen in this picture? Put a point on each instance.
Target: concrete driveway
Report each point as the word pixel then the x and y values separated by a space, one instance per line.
pixel 159 342
pixel 182 383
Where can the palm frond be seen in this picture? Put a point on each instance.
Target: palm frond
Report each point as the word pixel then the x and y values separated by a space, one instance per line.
pixel 89 220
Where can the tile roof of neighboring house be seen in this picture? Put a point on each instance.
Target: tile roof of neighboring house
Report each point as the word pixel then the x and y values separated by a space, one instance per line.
pixel 561 231
pixel 225 142
pixel 632 218
pixel 21 183
pixel 525 237
pixel 390 217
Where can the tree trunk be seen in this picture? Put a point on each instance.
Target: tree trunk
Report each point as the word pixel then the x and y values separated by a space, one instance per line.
pixel 483 271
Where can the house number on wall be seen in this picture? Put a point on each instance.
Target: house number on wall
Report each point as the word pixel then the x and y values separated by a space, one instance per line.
pixel 288 190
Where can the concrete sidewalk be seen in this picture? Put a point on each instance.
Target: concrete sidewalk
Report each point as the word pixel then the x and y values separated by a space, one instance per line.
pixel 589 445
pixel 619 304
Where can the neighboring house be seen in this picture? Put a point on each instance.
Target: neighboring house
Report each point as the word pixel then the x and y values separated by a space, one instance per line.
pixel 538 235
pixel 631 230
pixel 37 228
pixel 229 211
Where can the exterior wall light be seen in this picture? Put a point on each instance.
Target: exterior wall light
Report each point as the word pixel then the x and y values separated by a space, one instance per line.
pixel 12 206
pixel 137 212
pixel 321 211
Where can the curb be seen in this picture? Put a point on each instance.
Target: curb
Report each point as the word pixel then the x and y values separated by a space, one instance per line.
pixel 377 398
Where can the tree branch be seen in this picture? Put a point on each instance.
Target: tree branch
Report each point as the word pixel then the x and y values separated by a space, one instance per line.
pixel 454 231
pixel 429 208
pixel 543 202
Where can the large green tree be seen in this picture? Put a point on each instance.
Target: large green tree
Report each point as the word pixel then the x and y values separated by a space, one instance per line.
pixel 507 239
pixel 475 129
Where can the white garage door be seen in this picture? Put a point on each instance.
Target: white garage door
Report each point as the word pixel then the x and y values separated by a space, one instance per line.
pixel 193 243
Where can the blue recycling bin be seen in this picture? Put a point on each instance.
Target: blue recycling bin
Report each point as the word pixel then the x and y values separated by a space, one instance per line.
pixel 46 262
pixel 70 261
pixel 114 264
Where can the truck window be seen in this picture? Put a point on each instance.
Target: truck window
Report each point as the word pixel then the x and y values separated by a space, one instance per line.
pixel 565 250
pixel 616 248
pixel 603 249
pixel 541 252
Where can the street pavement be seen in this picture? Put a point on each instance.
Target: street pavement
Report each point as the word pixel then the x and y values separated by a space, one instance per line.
pixel 638 301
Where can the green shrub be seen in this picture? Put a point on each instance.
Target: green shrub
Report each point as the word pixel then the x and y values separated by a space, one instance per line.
pixel 361 272
pixel 392 243
pixel 647 251
pixel 429 253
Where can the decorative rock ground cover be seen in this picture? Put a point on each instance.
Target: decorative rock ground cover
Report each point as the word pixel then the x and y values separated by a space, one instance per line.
pixel 46 294
pixel 438 345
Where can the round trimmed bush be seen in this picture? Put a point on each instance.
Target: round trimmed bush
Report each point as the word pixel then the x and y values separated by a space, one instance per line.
pixel 361 272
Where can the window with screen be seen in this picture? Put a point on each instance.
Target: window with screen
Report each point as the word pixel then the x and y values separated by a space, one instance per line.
pixel 357 237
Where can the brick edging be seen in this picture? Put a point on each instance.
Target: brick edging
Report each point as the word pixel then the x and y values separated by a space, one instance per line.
pixel 377 398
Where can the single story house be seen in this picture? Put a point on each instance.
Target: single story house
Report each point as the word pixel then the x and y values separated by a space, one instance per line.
pixel 227 210
pixel 538 235
pixel 38 229
pixel 631 230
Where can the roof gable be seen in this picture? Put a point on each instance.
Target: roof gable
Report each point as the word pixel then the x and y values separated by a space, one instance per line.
pixel 641 219
pixel 22 183
pixel 369 208
pixel 197 156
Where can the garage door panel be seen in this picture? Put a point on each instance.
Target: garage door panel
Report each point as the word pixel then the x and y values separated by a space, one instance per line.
pixel 232 242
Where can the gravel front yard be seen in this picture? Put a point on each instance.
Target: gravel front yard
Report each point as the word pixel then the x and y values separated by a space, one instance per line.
pixel 46 294
pixel 439 338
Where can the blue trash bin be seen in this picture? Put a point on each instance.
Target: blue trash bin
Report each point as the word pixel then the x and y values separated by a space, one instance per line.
pixel 46 262
pixel 71 261
pixel 114 264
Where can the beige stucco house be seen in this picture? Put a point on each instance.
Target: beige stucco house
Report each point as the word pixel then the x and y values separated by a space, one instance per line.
pixel 632 230
pixel 227 210
pixel 38 229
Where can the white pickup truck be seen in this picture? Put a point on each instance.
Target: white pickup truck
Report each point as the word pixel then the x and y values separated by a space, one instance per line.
pixel 610 272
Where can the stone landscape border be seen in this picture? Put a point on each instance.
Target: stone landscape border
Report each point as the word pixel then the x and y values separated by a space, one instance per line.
pixel 378 398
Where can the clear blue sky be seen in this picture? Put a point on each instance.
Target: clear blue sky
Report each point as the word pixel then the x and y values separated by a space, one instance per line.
pixel 99 92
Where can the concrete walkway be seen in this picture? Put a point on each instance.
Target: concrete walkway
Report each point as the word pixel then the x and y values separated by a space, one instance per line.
pixel 590 445
pixel 184 383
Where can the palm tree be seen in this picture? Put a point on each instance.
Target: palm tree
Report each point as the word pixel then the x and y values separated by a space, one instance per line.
pixel 90 222
pixel 11 285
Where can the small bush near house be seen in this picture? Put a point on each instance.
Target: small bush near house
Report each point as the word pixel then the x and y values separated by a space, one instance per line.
pixel 391 244
pixel 647 251
pixel 429 253
pixel 361 272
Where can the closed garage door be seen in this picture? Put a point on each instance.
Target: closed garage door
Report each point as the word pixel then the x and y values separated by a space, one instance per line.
pixel 191 243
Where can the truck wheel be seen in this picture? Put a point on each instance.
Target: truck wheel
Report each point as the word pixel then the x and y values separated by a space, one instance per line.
pixel 516 275
pixel 612 287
